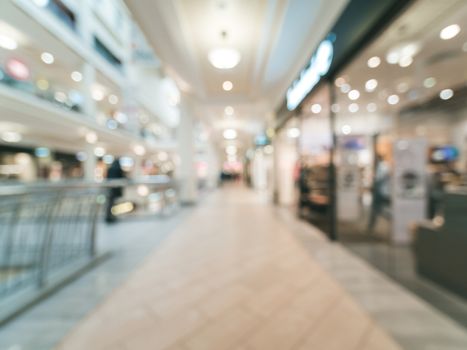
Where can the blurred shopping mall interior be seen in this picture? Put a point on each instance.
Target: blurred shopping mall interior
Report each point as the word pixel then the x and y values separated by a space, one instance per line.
pixel 233 174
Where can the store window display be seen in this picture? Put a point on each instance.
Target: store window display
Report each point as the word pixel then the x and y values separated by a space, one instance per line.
pixel 401 128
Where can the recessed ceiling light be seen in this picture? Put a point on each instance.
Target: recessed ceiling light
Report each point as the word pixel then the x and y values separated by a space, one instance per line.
pixel 393 99
pixel 353 108
pixel 402 87
pixel 354 95
pixel 91 137
pixel 346 129
pixel 76 76
pixel 446 94
pixel 229 110
pixel 230 134
pixel 97 94
pixel 371 85
pixel 429 82
pixel 392 57
pixel 224 58
pixel 99 151
pixel 227 85
pixel 405 61
pixel 335 108
pixel 316 108
pixel 47 58
pixel 139 150
pixel 345 88
pixel 371 107
pixel 113 100
pixel 449 32
pixel 8 43
pixel 293 133
pixel 340 81
pixel 374 62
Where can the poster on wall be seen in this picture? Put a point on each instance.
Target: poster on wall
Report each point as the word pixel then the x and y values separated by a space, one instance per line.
pixel 409 186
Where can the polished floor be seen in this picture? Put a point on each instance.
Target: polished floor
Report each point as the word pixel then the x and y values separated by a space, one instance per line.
pixel 230 277
pixel 237 273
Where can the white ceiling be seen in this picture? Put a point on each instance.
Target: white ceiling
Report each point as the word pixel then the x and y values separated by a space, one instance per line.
pixel 274 37
pixel 443 60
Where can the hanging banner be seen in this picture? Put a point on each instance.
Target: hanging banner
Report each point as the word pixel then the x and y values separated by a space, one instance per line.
pixel 409 187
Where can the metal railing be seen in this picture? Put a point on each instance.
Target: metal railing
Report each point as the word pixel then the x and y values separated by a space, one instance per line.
pixel 48 233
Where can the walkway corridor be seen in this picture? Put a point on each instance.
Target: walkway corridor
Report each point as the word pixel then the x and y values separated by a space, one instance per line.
pixel 231 276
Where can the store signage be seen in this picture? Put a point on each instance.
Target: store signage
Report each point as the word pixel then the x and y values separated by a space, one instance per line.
pixel 17 69
pixel 319 66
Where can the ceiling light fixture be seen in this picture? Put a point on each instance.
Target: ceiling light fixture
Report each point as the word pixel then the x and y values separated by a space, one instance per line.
pixel 97 94
pixel 91 137
pixel 11 136
pixel 449 32
pixel 8 43
pixel 354 95
pixel 405 61
pixel 230 134
pixel 353 108
pixel 446 94
pixel 224 58
pixel 229 110
pixel 371 85
pixel 47 58
pixel 316 108
pixel 99 151
pixel 402 87
pixel 345 88
pixel 374 62
pixel 293 133
pixel 346 129
pixel 393 99
pixel 139 150
pixel 227 85
pixel 429 82
pixel 371 107
pixel 76 76
pixel 113 99
pixel 340 81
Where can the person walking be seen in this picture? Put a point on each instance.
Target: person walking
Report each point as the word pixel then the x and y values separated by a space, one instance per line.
pixel 115 172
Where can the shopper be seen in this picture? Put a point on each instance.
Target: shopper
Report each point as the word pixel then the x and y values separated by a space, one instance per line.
pixel 115 172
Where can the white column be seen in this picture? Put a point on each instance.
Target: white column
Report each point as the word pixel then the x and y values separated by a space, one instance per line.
pixel 90 163
pixel 85 22
pixel 285 163
pixel 89 78
pixel 186 174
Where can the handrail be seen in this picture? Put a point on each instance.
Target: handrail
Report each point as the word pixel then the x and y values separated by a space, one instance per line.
pixel 21 188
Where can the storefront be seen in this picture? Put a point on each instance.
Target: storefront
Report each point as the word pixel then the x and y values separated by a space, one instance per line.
pixel 383 144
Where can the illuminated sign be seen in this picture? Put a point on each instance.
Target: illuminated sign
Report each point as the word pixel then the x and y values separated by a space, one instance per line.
pixel 309 77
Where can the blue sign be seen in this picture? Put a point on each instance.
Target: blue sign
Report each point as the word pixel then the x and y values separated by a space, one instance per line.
pixel 309 77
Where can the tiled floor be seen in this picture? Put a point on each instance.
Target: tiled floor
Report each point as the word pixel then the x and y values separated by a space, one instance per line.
pixel 233 273
pixel 43 326
pixel 231 276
